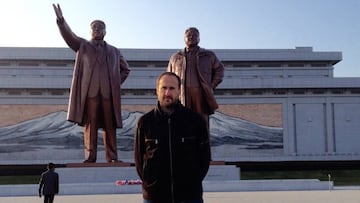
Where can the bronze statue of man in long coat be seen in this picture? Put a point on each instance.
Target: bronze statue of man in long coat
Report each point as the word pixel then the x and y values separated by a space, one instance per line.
pixel 95 92
pixel 200 71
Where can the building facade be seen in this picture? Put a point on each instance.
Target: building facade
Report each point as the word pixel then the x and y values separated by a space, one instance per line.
pixel 289 89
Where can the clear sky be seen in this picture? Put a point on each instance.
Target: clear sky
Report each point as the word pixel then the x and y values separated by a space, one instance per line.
pixel 325 25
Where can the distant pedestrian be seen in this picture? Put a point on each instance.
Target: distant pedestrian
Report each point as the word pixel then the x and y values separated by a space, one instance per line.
pixel 49 184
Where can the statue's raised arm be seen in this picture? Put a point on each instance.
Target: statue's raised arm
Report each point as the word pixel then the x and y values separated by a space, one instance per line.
pixel 71 39
pixel 58 11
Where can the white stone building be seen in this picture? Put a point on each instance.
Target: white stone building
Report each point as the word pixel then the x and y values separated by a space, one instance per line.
pixel 319 113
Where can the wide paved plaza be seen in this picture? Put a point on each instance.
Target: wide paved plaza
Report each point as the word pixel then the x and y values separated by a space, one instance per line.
pixel 323 196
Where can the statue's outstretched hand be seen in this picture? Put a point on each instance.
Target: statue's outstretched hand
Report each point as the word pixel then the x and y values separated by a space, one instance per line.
pixel 58 11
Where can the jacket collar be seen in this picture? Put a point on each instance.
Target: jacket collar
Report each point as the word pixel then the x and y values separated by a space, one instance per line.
pixel 98 43
pixel 194 49
pixel 200 51
pixel 161 113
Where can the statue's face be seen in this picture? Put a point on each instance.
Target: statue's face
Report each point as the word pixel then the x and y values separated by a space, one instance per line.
pixel 97 31
pixel 191 38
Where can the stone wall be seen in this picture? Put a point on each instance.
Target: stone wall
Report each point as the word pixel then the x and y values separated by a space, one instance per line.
pixel 12 114
pixel 264 114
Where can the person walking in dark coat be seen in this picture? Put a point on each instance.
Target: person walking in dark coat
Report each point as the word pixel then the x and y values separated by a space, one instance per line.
pixel 49 184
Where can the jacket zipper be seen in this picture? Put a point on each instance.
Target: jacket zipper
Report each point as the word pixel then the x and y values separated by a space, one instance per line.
pixel 171 163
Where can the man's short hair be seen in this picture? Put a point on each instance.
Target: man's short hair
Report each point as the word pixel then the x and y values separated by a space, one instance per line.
pixel 192 29
pixel 98 21
pixel 51 165
pixel 168 74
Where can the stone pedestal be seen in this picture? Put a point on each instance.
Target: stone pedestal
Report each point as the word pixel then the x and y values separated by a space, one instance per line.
pixel 111 172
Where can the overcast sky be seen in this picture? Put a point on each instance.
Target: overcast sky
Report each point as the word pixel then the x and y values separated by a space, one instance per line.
pixel 325 25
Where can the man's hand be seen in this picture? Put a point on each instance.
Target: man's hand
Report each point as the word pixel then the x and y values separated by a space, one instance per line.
pixel 58 12
pixel 39 194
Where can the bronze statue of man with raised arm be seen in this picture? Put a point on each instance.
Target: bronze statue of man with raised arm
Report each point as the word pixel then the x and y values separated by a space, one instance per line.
pixel 95 92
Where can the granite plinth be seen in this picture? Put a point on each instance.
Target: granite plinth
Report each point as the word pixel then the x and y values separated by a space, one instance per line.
pixel 111 172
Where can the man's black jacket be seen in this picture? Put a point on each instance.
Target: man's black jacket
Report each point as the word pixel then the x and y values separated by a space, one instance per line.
pixel 172 154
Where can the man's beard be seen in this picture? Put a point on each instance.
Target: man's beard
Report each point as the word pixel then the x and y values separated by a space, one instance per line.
pixel 170 105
